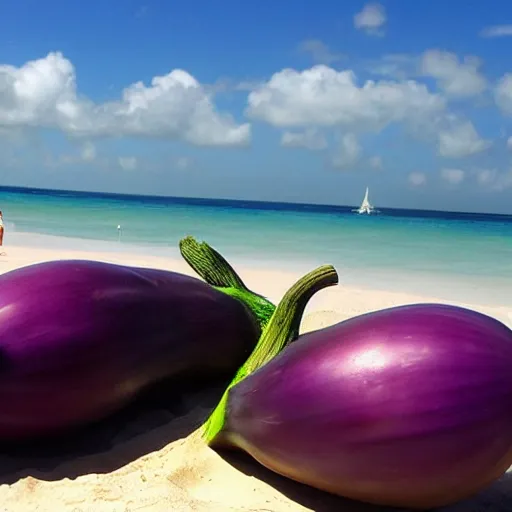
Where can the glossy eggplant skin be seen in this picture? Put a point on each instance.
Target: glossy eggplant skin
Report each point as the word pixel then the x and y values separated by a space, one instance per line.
pixel 80 339
pixel 409 406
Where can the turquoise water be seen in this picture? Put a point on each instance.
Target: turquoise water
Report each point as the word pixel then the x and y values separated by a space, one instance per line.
pixel 467 257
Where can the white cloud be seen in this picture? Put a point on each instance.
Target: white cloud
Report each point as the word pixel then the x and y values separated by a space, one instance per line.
pixel 509 143
pixel 457 78
pixel 88 152
pixel 375 162
pixel 503 94
pixel 453 176
pixel 43 93
pixel 128 163
pixel 461 140
pixel 319 51
pixel 85 153
pixel 348 152
pixel 497 31
pixel 322 96
pixel 494 180
pixel 309 139
pixel 417 178
pixel 371 19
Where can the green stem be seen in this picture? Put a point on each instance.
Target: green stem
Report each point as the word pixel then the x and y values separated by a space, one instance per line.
pixel 282 329
pixel 215 270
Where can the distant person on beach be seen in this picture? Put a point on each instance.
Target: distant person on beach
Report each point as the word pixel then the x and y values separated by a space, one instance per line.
pixel 1 229
pixel 2 253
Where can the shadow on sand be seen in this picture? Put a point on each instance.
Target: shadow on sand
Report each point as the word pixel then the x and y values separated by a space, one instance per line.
pixel 497 498
pixel 167 414
pixel 160 416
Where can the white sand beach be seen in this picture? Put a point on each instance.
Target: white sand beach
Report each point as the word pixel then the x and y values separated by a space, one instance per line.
pixel 158 462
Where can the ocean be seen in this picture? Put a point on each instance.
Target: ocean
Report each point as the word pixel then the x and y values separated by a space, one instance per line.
pixel 454 256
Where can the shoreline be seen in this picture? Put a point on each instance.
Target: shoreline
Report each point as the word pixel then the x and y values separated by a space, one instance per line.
pixel 485 292
pixel 330 305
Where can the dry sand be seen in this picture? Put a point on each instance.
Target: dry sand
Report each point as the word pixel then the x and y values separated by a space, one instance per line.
pixel 154 460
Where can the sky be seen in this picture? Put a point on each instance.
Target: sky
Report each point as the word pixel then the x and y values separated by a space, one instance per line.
pixel 277 101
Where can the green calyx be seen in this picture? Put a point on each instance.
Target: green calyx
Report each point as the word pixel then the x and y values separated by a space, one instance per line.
pixel 213 268
pixel 279 326
pixel 280 331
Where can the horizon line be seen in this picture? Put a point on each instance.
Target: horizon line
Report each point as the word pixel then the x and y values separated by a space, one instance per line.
pixel 218 201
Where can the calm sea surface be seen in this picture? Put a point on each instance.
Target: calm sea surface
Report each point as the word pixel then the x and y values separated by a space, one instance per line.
pixel 459 256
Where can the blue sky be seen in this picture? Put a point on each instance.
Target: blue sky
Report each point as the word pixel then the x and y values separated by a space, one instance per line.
pixel 303 101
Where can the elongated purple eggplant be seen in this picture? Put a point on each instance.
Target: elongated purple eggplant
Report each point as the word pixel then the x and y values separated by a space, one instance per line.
pixel 80 339
pixel 409 406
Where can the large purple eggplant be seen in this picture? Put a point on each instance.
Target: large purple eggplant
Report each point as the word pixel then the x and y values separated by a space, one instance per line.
pixel 408 406
pixel 80 339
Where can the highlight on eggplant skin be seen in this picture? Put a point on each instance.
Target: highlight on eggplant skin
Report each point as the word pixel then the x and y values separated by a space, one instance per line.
pixel 407 407
pixel 79 339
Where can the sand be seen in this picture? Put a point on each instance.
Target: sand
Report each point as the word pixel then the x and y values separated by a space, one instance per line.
pixel 153 460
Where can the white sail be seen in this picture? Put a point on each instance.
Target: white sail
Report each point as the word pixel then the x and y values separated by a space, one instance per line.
pixel 366 206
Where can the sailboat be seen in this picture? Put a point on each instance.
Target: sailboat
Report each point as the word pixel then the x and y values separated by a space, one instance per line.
pixel 366 206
